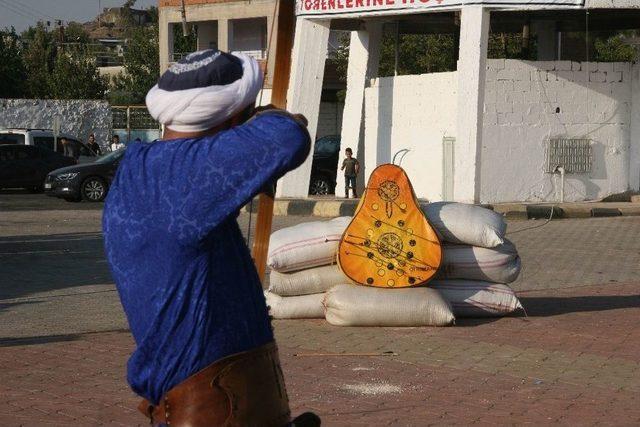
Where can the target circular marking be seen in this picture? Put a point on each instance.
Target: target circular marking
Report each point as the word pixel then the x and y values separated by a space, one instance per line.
pixel 390 245
pixel 389 191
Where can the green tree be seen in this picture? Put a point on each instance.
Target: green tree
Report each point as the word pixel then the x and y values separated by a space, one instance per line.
pixel 75 76
pixel 75 33
pixel 142 67
pixel 614 49
pixel 182 44
pixel 417 54
pixel 12 69
pixel 39 60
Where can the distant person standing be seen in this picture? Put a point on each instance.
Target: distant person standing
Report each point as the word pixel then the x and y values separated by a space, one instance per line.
pixel 69 148
pixel 351 167
pixel 93 145
pixel 115 143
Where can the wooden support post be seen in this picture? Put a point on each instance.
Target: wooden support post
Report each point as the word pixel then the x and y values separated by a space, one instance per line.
pixel 286 13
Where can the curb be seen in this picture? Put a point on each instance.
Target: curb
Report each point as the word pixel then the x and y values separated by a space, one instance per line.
pixel 334 208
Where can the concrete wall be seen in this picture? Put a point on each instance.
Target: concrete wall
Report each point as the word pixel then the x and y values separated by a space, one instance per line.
pixel 413 112
pixel 330 119
pixel 526 103
pixel 202 11
pixel 77 117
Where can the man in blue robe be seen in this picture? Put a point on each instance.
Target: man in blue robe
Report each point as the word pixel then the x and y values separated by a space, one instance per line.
pixel 205 352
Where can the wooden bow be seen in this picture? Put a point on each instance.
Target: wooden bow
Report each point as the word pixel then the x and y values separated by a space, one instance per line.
pixel 282 66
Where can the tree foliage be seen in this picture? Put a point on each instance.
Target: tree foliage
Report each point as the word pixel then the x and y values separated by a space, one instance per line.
pixel 182 44
pixel 12 69
pixel 615 48
pixel 417 54
pixel 142 67
pixel 39 59
pixel 75 76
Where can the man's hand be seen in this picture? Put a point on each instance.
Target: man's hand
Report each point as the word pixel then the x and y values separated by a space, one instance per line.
pixel 301 119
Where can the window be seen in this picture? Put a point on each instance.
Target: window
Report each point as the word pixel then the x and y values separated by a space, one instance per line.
pixel 11 138
pixel 44 142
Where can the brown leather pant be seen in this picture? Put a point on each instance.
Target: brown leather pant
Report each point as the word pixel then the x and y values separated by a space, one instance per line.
pixel 244 389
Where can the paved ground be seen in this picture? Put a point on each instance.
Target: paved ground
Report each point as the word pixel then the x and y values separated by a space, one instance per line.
pixel 575 360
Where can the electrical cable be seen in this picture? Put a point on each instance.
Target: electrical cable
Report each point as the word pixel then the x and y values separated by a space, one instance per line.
pixel 10 7
pixel 553 208
pixel 30 9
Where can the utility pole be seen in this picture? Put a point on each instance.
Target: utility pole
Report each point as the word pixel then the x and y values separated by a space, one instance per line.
pixel 185 31
pixel 99 12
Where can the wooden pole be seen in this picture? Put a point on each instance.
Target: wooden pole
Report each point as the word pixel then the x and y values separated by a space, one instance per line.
pixel 281 73
pixel 183 13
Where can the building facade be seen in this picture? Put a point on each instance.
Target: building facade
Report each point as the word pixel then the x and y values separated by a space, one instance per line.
pixel 492 130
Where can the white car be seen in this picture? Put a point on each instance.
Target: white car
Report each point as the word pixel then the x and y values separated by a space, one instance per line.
pixel 44 138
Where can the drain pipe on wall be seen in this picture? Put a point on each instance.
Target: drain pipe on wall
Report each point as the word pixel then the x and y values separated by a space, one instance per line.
pixel 560 170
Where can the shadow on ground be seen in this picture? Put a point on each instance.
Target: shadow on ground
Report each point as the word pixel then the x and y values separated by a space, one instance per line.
pixel 23 200
pixel 33 264
pixel 554 306
pixel 16 342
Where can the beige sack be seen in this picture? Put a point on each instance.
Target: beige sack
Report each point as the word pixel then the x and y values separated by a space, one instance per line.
pixel 477 299
pixel 353 305
pixel 300 307
pixel 466 224
pixel 500 264
pixel 305 282
pixel 306 245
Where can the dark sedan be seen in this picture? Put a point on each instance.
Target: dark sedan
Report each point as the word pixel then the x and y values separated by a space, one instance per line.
pixel 25 166
pixel 88 181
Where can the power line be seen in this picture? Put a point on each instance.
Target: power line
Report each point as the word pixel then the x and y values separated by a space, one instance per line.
pixel 9 6
pixel 30 9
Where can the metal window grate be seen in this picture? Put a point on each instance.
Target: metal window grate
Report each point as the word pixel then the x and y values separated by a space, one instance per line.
pixel 133 118
pixel 141 119
pixel 575 155
pixel 119 115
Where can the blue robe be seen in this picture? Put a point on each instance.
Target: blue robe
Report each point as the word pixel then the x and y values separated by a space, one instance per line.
pixel 183 271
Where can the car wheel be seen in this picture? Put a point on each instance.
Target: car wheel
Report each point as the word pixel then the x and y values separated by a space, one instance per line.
pixel 320 186
pixel 94 189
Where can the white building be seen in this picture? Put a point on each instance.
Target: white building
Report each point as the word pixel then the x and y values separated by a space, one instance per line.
pixel 493 130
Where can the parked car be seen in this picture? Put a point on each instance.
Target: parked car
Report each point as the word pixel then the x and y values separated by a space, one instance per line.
pixel 325 165
pixel 88 181
pixel 44 138
pixel 24 166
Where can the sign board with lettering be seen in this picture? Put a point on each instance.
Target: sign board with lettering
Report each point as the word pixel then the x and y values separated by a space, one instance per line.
pixel 380 7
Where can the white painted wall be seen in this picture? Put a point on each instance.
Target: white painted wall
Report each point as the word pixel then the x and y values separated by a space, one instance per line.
pixel 413 112
pixel 634 149
pixel 594 100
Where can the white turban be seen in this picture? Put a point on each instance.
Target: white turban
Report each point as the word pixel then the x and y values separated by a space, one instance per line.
pixel 200 108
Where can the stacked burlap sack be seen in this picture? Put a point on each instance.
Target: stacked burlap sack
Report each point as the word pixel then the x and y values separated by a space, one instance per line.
pixel 477 265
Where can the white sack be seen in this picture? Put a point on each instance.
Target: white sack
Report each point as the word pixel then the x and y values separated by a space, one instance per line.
pixel 305 282
pixel 500 264
pixel 306 245
pixel 477 299
pixel 353 305
pixel 301 307
pixel 466 224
